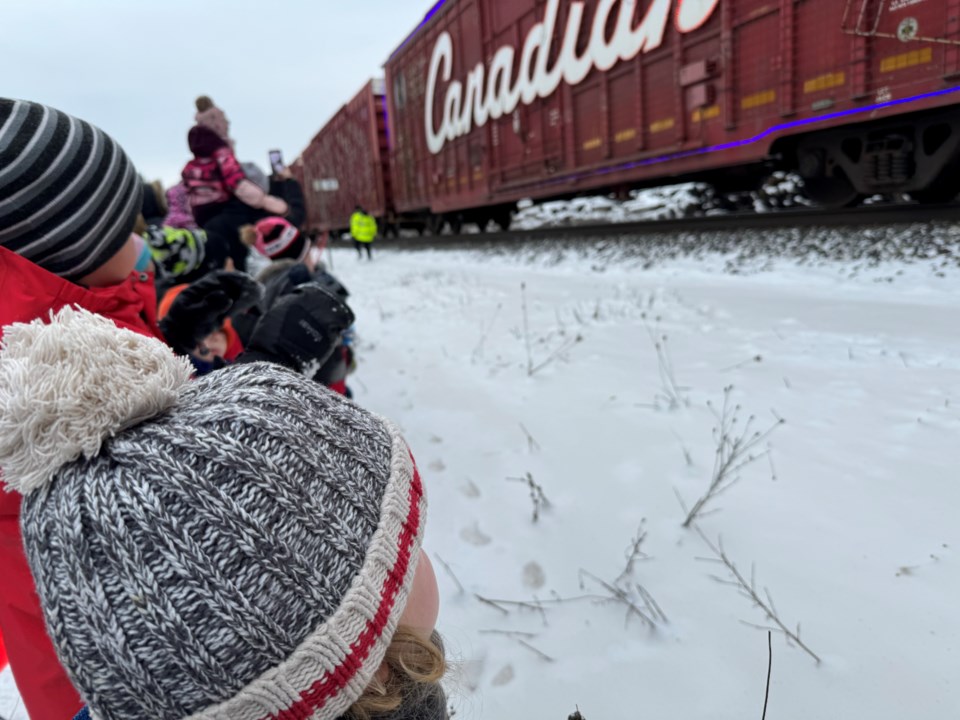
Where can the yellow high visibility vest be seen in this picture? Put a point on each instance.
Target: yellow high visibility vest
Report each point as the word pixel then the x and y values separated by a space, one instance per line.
pixel 363 228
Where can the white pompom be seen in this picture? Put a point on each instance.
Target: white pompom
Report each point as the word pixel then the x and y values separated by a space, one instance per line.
pixel 67 386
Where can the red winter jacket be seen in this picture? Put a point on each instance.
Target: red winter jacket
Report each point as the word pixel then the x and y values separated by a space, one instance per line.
pixel 28 292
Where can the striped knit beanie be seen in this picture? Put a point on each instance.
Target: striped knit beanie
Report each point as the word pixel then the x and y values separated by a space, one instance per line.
pixel 69 195
pixel 238 547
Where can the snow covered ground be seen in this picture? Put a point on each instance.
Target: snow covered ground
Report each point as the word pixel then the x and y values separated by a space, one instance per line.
pixel 848 523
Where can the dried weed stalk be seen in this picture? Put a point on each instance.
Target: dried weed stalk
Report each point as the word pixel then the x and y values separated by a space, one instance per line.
pixel 537 496
pixel 532 445
pixel 766 697
pixel 736 449
pixel 634 553
pixel 672 396
pixel 638 601
pixel 533 369
pixel 749 590
pixel 450 573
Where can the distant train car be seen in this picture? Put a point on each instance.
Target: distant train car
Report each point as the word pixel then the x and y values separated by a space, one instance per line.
pixel 346 164
pixel 492 101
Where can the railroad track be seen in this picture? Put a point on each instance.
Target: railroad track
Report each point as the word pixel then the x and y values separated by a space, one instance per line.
pixel 860 217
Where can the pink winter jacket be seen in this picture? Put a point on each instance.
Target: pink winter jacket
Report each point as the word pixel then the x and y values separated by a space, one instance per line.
pixel 179 215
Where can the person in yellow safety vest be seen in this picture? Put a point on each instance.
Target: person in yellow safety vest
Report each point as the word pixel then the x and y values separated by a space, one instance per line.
pixel 363 229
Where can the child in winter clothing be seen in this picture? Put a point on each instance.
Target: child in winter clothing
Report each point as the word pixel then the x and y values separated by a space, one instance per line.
pixel 176 244
pixel 276 239
pixel 178 209
pixel 222 198
pixel 180 253
pixel 214 177
pixel 261 556
pixel 218 349
pixel 69 198
pixel 292 266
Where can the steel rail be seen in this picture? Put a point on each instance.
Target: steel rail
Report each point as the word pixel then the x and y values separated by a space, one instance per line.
pixel 873 216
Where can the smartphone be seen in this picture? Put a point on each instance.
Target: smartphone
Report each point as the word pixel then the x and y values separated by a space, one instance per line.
pixel 276 161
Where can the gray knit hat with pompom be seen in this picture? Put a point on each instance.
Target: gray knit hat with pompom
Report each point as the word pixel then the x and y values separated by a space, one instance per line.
pixel 238 547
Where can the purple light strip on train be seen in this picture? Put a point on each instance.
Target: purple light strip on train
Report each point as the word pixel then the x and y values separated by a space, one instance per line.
pixel 748 141
pixel 386 118
pixel 429 16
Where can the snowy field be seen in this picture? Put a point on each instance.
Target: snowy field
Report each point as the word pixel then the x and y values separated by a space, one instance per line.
pixel 850 522
pixel 844 518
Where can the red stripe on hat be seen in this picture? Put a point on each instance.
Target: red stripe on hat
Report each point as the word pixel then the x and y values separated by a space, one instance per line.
pixel 318 694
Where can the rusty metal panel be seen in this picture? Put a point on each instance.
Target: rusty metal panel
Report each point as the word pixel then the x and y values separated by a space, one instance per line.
pixel 660 103
pixel 904 54
pixel 343 166
pixel 757 52
pixel 787 90
pixel 626 131
pixel 824 60
pixel 589 133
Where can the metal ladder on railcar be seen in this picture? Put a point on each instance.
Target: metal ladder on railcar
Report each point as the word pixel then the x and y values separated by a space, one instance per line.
pixel 870 15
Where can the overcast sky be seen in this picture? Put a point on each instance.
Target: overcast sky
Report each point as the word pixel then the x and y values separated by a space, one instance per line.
pixel 279 69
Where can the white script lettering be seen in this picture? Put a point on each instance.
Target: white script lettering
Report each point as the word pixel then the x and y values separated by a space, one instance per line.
pixel 493 93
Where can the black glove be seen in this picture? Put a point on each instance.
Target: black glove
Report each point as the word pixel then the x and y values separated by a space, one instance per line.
pixel 300 331
pixel 203 307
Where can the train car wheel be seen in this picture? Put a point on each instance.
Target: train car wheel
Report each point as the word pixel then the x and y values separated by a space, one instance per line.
pixel 435 224
pixel 831 192
pixel 934 195
pixel 942 190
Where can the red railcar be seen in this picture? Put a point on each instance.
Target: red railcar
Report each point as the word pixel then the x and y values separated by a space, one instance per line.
pixel 492 101
pixel 347 164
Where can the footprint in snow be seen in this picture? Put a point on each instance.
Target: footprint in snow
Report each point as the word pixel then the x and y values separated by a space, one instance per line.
pixel 475 536
pixel 533 576
pixel 470 489
pixel 504 677
pixel 438 466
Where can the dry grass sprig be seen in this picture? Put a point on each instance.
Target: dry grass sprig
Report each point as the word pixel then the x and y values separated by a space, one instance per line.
pixel 749 590
pixel 736 449
pixel 537 496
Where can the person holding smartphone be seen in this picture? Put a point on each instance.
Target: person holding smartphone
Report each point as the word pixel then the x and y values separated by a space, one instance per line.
pixel 283 184
pixel 222 198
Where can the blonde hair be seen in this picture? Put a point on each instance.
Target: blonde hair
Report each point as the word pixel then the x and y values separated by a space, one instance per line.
pixel 160 196
pixel 412 667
